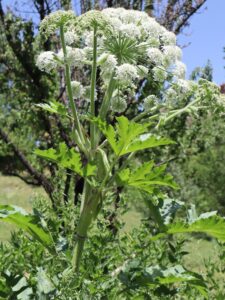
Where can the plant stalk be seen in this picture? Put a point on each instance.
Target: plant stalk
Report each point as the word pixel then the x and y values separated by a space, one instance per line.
pixel 93 87
pixel 108 95
pixel 78 134
pixel 89 212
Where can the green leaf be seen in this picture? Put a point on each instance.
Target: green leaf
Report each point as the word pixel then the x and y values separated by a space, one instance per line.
pixel 54 107
pixel 146 177
pixel 129 136
pixel 20 284
pixel 67 158
pixel 213 226
pixel 134 276
pixel 151 141
pixel 169 209
pixel 44 284
pixel 26 294
pixel 29 223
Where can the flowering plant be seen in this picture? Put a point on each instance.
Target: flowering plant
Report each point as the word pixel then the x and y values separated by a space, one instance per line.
pixel 124 80
pixel 122 50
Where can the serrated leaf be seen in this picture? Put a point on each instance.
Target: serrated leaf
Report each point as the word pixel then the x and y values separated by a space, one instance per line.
pixel 146 177
pixel 27 222
pixel 134 277
pixel 213 226
pixel 67 158
pixel 54 107
pixel 150 142
pixel 128 136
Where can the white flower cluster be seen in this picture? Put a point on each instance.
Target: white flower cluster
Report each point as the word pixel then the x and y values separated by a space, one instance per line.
pixel 46 61
pixel 78 89
pixel 131 46
pixel 155 56
pixel 178 91
pixel 108 63
pixel 149 102
pixel 125 74
pixel 71 37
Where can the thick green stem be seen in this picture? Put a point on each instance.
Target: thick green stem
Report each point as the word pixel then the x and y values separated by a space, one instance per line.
pixel 93 86
pixel 78 135
pixel 105 104
pixel 89 212
pixel 108 95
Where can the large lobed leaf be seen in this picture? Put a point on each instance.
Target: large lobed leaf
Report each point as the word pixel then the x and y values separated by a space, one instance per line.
pixel 54 107
pixel 29 223
pixel 146 177
pixel 133 276
pixel 213 226
pixel 67 158
pixel 129 136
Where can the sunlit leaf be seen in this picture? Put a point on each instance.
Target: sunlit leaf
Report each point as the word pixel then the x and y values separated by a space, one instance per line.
pixel 54 107
pixel 67 158
pixel 213 226
pixel 146 177
pixel 128 136
pixel 27 222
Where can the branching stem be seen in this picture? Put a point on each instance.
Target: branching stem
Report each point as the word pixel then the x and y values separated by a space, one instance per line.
pixel 77 132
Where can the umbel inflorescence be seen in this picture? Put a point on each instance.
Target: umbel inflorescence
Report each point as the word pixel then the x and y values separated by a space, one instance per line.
pixel 131 46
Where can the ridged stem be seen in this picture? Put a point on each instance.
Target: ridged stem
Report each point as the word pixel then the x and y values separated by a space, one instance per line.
pixel 93 86
pixel 77 132
pixel 89 213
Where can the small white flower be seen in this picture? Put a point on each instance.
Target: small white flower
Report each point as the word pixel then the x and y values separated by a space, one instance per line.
pixel 133 16
pixel 126 73
pixel 88 38
pixel 107 61
pixel 70 37
pixel 168 37
pixel 142 71
pixel 159 74
pixel 155 56
pixel 172 54
pixel 152 28
pixel 46 61
pixel 170 94
pixel 149 102
pixel 77 88
pixel 118 104
pixel 179 70
pixel 75 56
pixel 185 85
pixel 131 30
pixel 116 23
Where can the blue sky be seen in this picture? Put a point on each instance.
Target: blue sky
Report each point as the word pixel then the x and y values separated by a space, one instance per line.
pixel 207 37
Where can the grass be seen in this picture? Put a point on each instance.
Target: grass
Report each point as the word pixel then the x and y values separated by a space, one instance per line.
pixel 14 191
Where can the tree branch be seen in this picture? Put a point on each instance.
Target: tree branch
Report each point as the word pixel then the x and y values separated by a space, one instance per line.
pixel 184 20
